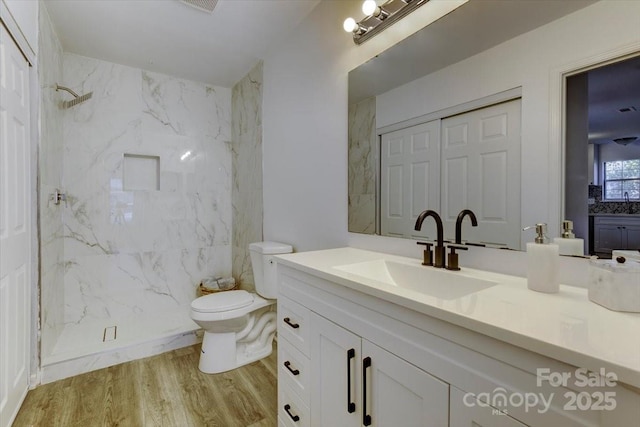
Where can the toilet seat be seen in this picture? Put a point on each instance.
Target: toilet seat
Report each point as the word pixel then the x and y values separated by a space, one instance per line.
pixel 220 306
pixel 222 301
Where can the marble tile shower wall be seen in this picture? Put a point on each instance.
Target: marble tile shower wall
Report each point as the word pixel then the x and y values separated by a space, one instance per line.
pixel 128 251
pixel 50 153
pixel 362 170
pixel 247 172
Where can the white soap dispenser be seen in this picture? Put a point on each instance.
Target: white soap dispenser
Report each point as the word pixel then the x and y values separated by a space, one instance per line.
pixel 542 262
pixel 568 244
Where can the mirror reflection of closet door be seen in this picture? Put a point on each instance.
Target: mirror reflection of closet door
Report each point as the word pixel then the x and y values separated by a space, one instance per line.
pixel 410 179
pixel 481 172
pixel 467 161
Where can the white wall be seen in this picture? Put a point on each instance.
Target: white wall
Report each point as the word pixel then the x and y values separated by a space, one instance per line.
pixel 611 152
pixel 305 110
pixel 23 24
pixel 305 123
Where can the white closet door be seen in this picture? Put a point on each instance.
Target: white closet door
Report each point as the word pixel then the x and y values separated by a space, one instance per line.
pixel 410 179
pixel 15 250
pixel 481 172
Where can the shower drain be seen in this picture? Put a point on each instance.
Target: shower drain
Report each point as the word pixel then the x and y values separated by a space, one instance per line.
pixel 110 333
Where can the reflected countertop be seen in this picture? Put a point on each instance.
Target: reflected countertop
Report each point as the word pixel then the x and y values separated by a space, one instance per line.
pixel 565 326
pixel 622 215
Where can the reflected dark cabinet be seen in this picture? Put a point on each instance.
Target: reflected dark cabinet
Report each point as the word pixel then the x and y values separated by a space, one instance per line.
pixel 615 232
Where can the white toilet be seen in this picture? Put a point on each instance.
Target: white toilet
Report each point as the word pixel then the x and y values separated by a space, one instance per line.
pixel 238 325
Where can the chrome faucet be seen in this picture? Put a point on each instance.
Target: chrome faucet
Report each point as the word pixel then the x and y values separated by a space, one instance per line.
pixel 626 200
pixel 461 215
pixel 439 249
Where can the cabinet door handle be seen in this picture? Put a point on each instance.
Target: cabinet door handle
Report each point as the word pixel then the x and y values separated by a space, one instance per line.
pixel 351 406
pixel 295 418
pixel 366 418
pixel 287 365
pixel 290 323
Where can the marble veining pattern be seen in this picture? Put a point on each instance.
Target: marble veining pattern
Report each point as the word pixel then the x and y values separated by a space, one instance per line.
pixel 246 194
pixel 50 152
pixel 144 251
pixel 362 169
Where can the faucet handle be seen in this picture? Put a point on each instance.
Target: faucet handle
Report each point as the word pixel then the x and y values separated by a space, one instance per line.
pixel 427 254
pixel 452 257
pixel 480 245
pixel 462 247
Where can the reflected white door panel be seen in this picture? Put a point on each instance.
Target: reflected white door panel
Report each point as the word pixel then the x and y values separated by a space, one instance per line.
pixel 481 172
pixel 410 179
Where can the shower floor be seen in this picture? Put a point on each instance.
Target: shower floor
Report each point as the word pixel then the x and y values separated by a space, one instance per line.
pixel 93 345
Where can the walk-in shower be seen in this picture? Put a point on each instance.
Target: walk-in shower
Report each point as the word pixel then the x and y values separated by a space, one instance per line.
pixel 142 223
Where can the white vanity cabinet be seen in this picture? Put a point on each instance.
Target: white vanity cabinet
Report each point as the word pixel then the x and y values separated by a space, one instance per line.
pixel 294 365
pixel 477 416
pixel 345 356
pixel 616 232
pixel 363 384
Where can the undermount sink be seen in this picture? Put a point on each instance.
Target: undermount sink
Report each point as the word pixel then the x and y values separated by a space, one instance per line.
pixel 426 280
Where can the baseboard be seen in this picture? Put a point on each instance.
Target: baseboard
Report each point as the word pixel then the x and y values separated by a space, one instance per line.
pixel 114 356
pixel 35 379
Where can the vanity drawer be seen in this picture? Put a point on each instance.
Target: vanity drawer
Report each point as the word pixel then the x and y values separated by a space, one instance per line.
pixel 293 324
pixel 292 412
pixel 293 367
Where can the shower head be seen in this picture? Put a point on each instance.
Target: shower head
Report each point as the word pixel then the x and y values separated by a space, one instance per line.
pixel 77 99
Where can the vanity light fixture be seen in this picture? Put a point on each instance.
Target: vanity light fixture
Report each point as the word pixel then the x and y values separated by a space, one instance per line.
pixel 371 8
pixel 379 17
pixel 351 26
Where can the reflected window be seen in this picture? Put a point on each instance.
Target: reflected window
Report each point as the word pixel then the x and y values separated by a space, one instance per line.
pixel 622 180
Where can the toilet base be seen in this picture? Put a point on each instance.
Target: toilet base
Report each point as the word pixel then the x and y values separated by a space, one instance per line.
pixel 218 352
pixel 223 352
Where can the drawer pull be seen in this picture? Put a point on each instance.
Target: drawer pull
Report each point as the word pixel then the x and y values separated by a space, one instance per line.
pixel 351 406
pixel 287 365
pixel 290 323
pixel 366 418
pixel 295 418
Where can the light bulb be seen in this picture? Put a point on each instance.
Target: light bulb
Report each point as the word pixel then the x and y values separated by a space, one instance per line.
pixel 369 7
pixel 349 25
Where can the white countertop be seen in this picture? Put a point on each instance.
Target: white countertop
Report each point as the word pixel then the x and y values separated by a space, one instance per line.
pixel 565 326
pixel 616 215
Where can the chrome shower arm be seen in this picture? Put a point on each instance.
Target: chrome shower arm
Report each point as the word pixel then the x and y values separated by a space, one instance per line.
pixel 58 87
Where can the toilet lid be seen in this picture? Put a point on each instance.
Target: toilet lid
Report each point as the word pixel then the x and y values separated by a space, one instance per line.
pixel 222 301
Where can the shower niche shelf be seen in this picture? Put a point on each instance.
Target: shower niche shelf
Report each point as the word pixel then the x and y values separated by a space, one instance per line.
pixel 141 172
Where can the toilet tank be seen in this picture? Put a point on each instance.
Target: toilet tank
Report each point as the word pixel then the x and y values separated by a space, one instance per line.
pixel 264 266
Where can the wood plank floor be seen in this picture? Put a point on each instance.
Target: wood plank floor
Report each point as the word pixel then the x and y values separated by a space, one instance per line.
pixel 164 390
